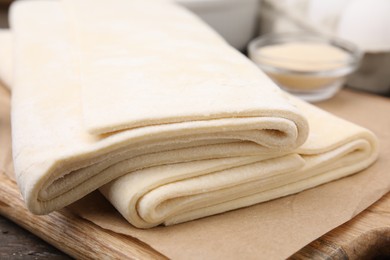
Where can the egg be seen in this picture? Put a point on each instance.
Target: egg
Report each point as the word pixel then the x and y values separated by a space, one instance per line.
pixel 367 24
pixel 326 14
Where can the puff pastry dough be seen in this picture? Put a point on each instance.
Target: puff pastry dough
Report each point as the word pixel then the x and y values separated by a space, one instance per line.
pixel 145 102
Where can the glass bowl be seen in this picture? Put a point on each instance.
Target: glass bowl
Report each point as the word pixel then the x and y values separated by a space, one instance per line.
pixel 311 67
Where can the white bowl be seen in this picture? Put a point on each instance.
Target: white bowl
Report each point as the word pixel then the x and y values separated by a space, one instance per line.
pixel 235 20
pixel 310 77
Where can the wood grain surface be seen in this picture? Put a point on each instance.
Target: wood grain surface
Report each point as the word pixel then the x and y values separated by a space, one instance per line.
pixel 17 243
pixel 83 240
pixel 364 237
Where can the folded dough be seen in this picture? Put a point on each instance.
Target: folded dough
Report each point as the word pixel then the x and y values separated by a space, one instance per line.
pixel 335 148
pixel 143 101
pixel 57 160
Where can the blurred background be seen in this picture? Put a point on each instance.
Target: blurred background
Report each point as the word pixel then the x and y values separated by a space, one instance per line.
pixel 3 13
pixel 365 23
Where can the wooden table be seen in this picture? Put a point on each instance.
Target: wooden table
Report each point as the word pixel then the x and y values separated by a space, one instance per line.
pixel 18 243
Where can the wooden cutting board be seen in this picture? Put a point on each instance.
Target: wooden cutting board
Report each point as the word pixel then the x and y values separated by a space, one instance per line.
pixel 365 236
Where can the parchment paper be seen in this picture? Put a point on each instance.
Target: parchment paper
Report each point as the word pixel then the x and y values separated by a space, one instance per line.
pixel 272 230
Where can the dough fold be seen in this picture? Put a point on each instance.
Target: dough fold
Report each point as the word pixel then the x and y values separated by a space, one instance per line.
pixel 143 101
